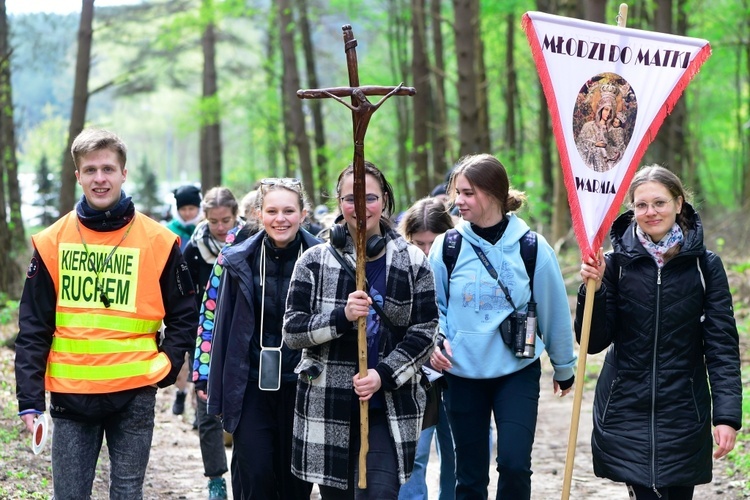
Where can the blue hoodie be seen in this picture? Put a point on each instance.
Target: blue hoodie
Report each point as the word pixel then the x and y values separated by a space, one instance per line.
pixel 471 317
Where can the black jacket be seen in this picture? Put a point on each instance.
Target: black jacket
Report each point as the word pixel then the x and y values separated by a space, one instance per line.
pixel 237 319
pixel 665 331
pixel 200 270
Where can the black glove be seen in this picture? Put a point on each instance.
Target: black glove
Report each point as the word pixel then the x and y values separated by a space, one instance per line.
pixel 566 384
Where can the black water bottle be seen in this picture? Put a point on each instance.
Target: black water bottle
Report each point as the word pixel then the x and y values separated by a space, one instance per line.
pixel 530 340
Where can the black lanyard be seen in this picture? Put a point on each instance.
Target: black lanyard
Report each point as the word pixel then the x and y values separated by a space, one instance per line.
pixel 89 256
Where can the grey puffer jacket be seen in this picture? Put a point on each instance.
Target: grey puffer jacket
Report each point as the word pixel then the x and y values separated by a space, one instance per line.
pixel 665 332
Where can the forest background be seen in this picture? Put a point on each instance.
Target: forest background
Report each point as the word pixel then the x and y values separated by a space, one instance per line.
pixel 203 91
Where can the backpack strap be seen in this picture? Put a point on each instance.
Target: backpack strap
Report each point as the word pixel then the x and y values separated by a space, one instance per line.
pixel 528 254
pixel 452 247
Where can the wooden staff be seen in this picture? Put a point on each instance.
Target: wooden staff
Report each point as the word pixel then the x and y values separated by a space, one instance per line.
pixel 578 394
pixel 362 110
pixel 350 49
pixel 588 307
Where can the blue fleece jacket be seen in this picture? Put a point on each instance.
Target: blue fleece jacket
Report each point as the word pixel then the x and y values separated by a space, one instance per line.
pixel 471 313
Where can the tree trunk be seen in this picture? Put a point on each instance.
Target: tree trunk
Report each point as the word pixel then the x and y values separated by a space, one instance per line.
pixel 743 131
pixel 440 127
pixel 295 127
pixel 271 121
pixel 546 144
pixel 210 133
pixel 511 90
pixel 464 27
pixel 422 109
pixel 397 35
pixel 78 111
pixel 321 157
pixel 663 22
pixel 683 143
pixel 483 101
pixel 5 236
pixel 666 149
pixel 8 137
pixel 596 10
pixel 561 220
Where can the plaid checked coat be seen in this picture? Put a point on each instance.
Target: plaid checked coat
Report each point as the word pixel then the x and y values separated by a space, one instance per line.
pixel 314 321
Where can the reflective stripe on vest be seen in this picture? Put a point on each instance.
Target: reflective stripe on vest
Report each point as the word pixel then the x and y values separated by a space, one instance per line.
pixel 104 346
pixel 94 373
pixel 102 322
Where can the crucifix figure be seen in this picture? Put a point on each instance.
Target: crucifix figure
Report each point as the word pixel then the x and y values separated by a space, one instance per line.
pixel 362 110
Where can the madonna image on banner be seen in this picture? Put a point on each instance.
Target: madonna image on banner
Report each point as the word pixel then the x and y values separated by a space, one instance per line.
pixel 603 120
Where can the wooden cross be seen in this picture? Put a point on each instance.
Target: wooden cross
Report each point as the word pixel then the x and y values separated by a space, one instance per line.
pixel 362 110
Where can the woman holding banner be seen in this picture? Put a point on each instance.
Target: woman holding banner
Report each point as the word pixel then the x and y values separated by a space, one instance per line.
pixel 664 310
pixel 489 292
pixel 323 308
pixel 251 379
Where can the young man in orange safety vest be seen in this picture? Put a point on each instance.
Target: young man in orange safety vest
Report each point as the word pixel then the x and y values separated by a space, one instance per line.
pixel 101 281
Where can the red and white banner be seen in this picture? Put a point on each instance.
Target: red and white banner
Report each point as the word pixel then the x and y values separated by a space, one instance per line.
pixel 608 90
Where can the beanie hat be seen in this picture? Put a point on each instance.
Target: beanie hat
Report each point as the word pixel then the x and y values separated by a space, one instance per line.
pixel 187 195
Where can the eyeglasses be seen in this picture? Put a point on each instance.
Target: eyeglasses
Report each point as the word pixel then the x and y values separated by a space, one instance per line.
pixel 288 182
pixel 659 206
pixel 369 199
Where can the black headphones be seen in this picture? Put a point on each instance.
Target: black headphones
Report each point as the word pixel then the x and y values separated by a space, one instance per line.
pixel 338 232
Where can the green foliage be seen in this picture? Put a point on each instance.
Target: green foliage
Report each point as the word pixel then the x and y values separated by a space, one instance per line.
pixel 42 71
pixel 153 52
pixel 47 189
pixel 146 195
pixel 8 309
pixel 46 139
pixel 718 115
pixel 740 456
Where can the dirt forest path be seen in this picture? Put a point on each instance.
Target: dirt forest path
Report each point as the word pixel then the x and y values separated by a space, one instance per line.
pixel 176 471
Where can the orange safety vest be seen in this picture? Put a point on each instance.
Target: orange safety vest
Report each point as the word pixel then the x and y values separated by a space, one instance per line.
pixel 97 349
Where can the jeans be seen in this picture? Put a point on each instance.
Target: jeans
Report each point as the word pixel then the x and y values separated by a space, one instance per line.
pixel 76 446
pixel 382 464
pixel 416 487
pixel 514 401
pixel 211 436
pixel 262 450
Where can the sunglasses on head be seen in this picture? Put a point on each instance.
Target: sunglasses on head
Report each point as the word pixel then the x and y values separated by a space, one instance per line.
pixel 287 182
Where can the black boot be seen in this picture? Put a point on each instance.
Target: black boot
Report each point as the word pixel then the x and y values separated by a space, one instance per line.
pixel 178 407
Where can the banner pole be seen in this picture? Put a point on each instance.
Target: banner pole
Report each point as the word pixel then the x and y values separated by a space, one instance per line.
pixel 578 392
pixel 622 19
pixel 622 15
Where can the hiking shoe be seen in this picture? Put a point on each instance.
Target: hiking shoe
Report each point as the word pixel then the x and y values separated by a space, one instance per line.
pixel 178 408
pixel 217 489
